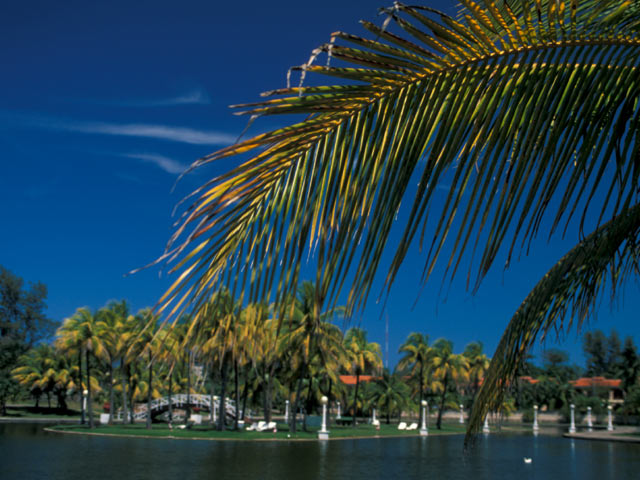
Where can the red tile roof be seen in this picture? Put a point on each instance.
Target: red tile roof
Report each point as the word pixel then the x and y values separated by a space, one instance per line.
pixel 351 379
pixel 528 379
pixel 588 382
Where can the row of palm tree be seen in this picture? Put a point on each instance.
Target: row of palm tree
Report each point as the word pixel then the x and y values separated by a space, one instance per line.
pixel 250 352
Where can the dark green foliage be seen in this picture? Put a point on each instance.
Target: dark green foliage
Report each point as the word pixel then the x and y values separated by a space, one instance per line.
pixel 630 365
pixel 23 323
pixel 606 357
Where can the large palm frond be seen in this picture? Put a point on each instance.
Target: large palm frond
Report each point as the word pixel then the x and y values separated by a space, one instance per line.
pixel 571 286
pixel 535 104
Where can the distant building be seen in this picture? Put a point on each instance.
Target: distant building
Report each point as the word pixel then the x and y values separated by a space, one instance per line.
pixel 589 386
pixel 351 379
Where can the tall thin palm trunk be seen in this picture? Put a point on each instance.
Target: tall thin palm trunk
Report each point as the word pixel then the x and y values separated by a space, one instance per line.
pixel 170 394
pixel 131 390
pixel 296 401
pixel 329 396
pixel 245 395
pixel 235 367
pixel 188 388
pixel 149 392
pixel 307 407
pixel 111 393
pixel 355 399
pixel 212 404
pixel 89 397
pixel 82 412
pixel 124 391
pixel 223 393
pixel 421 393
pixel 444 394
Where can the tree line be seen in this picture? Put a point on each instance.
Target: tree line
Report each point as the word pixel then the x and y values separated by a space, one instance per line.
pixel 249 353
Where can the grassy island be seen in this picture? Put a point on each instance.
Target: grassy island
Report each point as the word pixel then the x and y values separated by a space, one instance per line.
pixel 206 433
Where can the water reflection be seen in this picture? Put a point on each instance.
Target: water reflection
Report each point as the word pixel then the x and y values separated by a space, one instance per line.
pixel 26 452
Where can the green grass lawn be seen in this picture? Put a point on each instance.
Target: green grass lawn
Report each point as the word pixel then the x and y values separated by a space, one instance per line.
pixel 205 432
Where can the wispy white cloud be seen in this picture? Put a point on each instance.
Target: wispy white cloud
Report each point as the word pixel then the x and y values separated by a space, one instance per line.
pixel 143 130
pixel 167 164
pixel 161 132
pixel 197 96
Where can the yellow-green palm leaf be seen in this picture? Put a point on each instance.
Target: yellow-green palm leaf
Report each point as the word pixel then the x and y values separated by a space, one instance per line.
pixel 535 104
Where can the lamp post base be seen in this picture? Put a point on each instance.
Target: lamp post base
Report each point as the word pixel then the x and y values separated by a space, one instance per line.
pixel 323 435
pixel 424 432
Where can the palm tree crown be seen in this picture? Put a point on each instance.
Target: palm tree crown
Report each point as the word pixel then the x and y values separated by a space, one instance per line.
pixel 536 104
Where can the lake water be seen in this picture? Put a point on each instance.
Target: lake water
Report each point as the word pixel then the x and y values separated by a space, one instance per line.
pixel 27 452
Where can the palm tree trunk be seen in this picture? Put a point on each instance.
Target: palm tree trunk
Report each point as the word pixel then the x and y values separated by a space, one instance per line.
pixel 421 393
pixel 37 401
pixel 89 397
pixel 48 400
pixel 124 392
pixel 245 395
pixel 149 392
pixel 82 412
pixel 212 393
pixel 265 401
pixel 170 393
pixel 223 393
pixel 235 367
pixel 355 399
pixel 296 402
pixel 131 390
pixel 307 407
pixel 111 392
pixel 444 393
pixel 188 388
pixel 329 396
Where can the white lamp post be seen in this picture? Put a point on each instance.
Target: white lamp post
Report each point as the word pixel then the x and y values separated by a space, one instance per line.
pixel 215 400
pixel 286 411
pixel 610 419
pixel 339 411
pixel 323 434
pixel 485 427
pixel 589 420
pixel 535 419
pixel 572 427
pixel 423 428
pixel 85 392
pixel 461 414
pixel 373 417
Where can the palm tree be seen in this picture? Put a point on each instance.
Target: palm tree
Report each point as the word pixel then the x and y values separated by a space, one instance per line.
pixel 263 349
pixel 416 358
pixel 120 332
pixel 219 339
pixel 32 372
pixel 478 365
pixel 109 328
pixel 448 367
pixel 536 105
pixel 80 333
pixel 390 394
pixel 363 357
pixel 307 324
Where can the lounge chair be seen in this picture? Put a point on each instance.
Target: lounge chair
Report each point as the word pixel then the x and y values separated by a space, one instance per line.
pixel 402 426
pixel 252 427
pixel 261 426
pixel 413 426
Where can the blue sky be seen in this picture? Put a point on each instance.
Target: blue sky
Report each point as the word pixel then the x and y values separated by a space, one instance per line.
pixel 102 104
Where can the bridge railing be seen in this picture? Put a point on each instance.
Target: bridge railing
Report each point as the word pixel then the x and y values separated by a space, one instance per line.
pixel 179 400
